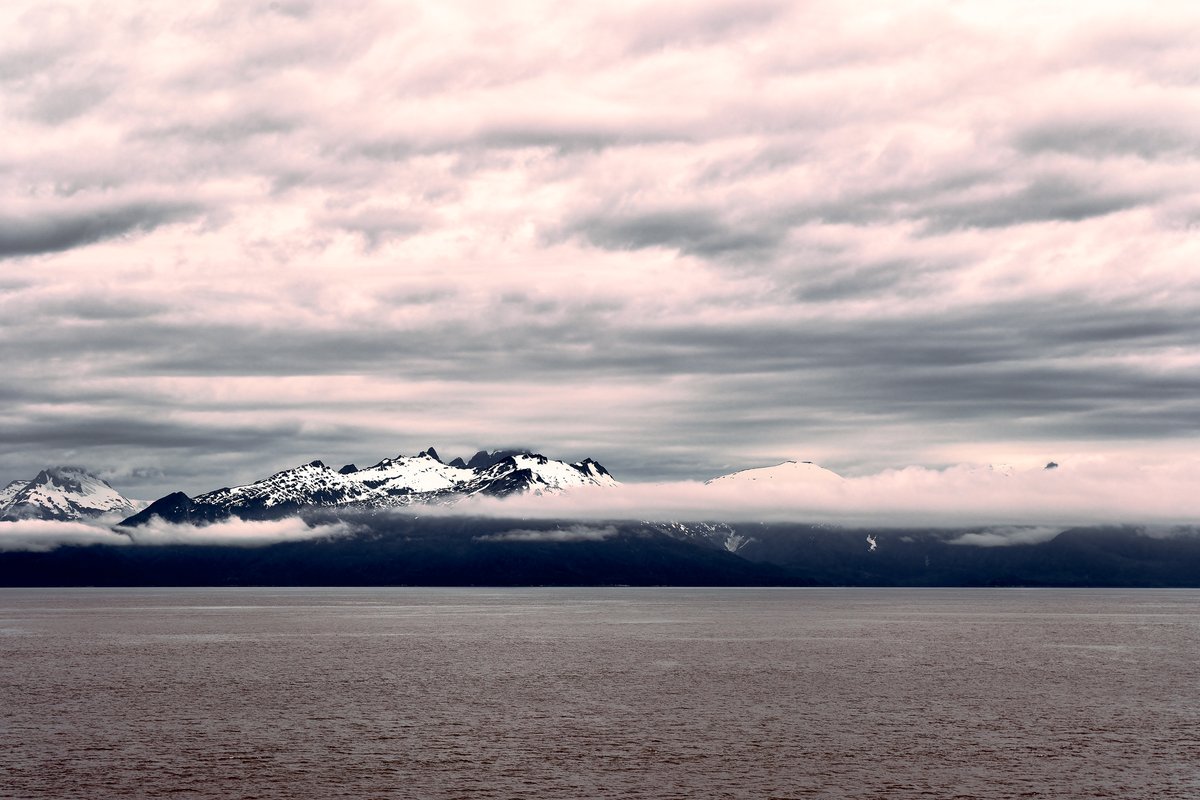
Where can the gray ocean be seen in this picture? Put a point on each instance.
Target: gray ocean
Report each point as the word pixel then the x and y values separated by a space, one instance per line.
pixel 582 693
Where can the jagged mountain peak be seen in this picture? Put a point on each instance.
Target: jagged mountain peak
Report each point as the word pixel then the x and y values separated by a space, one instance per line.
pixel 485 459
pixel 392 482
pixel 61 493
pixel 590 466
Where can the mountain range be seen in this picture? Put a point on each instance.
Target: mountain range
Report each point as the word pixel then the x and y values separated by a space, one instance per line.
pixel 392 483
pixel 405 547
pixel 65 493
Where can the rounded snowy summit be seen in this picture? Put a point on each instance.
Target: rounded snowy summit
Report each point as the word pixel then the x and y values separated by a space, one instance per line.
pixel 788 472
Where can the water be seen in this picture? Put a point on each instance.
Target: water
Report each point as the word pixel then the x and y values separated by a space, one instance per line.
pixel 568 693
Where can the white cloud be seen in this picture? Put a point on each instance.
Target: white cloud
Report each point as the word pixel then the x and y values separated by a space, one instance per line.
pixel 42 536
pixel 45 535
pixel 1016 505
pixel 574 533
pixel 1008 536
pixel 236 532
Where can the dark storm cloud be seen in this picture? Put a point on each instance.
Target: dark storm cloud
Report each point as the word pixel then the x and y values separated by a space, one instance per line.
pixel 19 390
pixel 1104 140
pixel 378 224
pixel 1158 47
pixel 540 337
pixel 830 408
pixel 233 129
pixel 1047 199
pixel 700 232
pixel 1144 418
pixel 151 453
pixel 829 280
pixel 1014 372
pixel 18 64
pixel 110 305
pixel 41 38
pixel 55 232
pixel 133 431
pixel 1021 391
pixel 379 149
pixel 1018 369
pixel 160 347
pixel 298 10
pixel 683 27
pixel 427 297
pixel 1013 332
pixel 956 203
pixel 761 235
pixel 564 140
pixel 57 104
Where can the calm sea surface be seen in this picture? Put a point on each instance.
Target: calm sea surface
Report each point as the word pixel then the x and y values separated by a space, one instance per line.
pixel 570 693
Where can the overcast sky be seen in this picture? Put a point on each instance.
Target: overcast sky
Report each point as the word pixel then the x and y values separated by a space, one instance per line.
pixel 678 239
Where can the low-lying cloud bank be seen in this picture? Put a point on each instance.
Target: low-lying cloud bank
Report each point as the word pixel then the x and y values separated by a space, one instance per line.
pixel 574 533
pixel 1009 535
pixel 981 506
pixel 1095 493
pixel 41 536
pixel 236 532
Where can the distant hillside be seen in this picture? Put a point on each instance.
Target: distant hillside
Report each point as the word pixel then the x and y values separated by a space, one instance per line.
pixel 388 549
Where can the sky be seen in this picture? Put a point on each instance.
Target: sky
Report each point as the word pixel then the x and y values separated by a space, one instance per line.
pixel 681 239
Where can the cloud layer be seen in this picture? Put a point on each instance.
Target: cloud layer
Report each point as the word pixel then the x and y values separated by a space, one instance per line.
pixel 1013 506
pixel 42 536
pixel 680 239
pixel 976 506
pixel 572 533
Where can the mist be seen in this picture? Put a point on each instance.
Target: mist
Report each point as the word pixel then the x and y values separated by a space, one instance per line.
pixel 41 536
pixel 1100 492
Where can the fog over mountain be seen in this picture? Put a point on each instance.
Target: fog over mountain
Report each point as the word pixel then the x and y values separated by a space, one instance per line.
pixel 1098 492
pixel 520 518
pixel 681 239
pixel 505 484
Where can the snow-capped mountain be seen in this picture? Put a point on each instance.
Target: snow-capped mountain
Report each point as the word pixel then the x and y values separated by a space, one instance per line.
pixel 61 493
pixel 789 472
pixel 393 482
